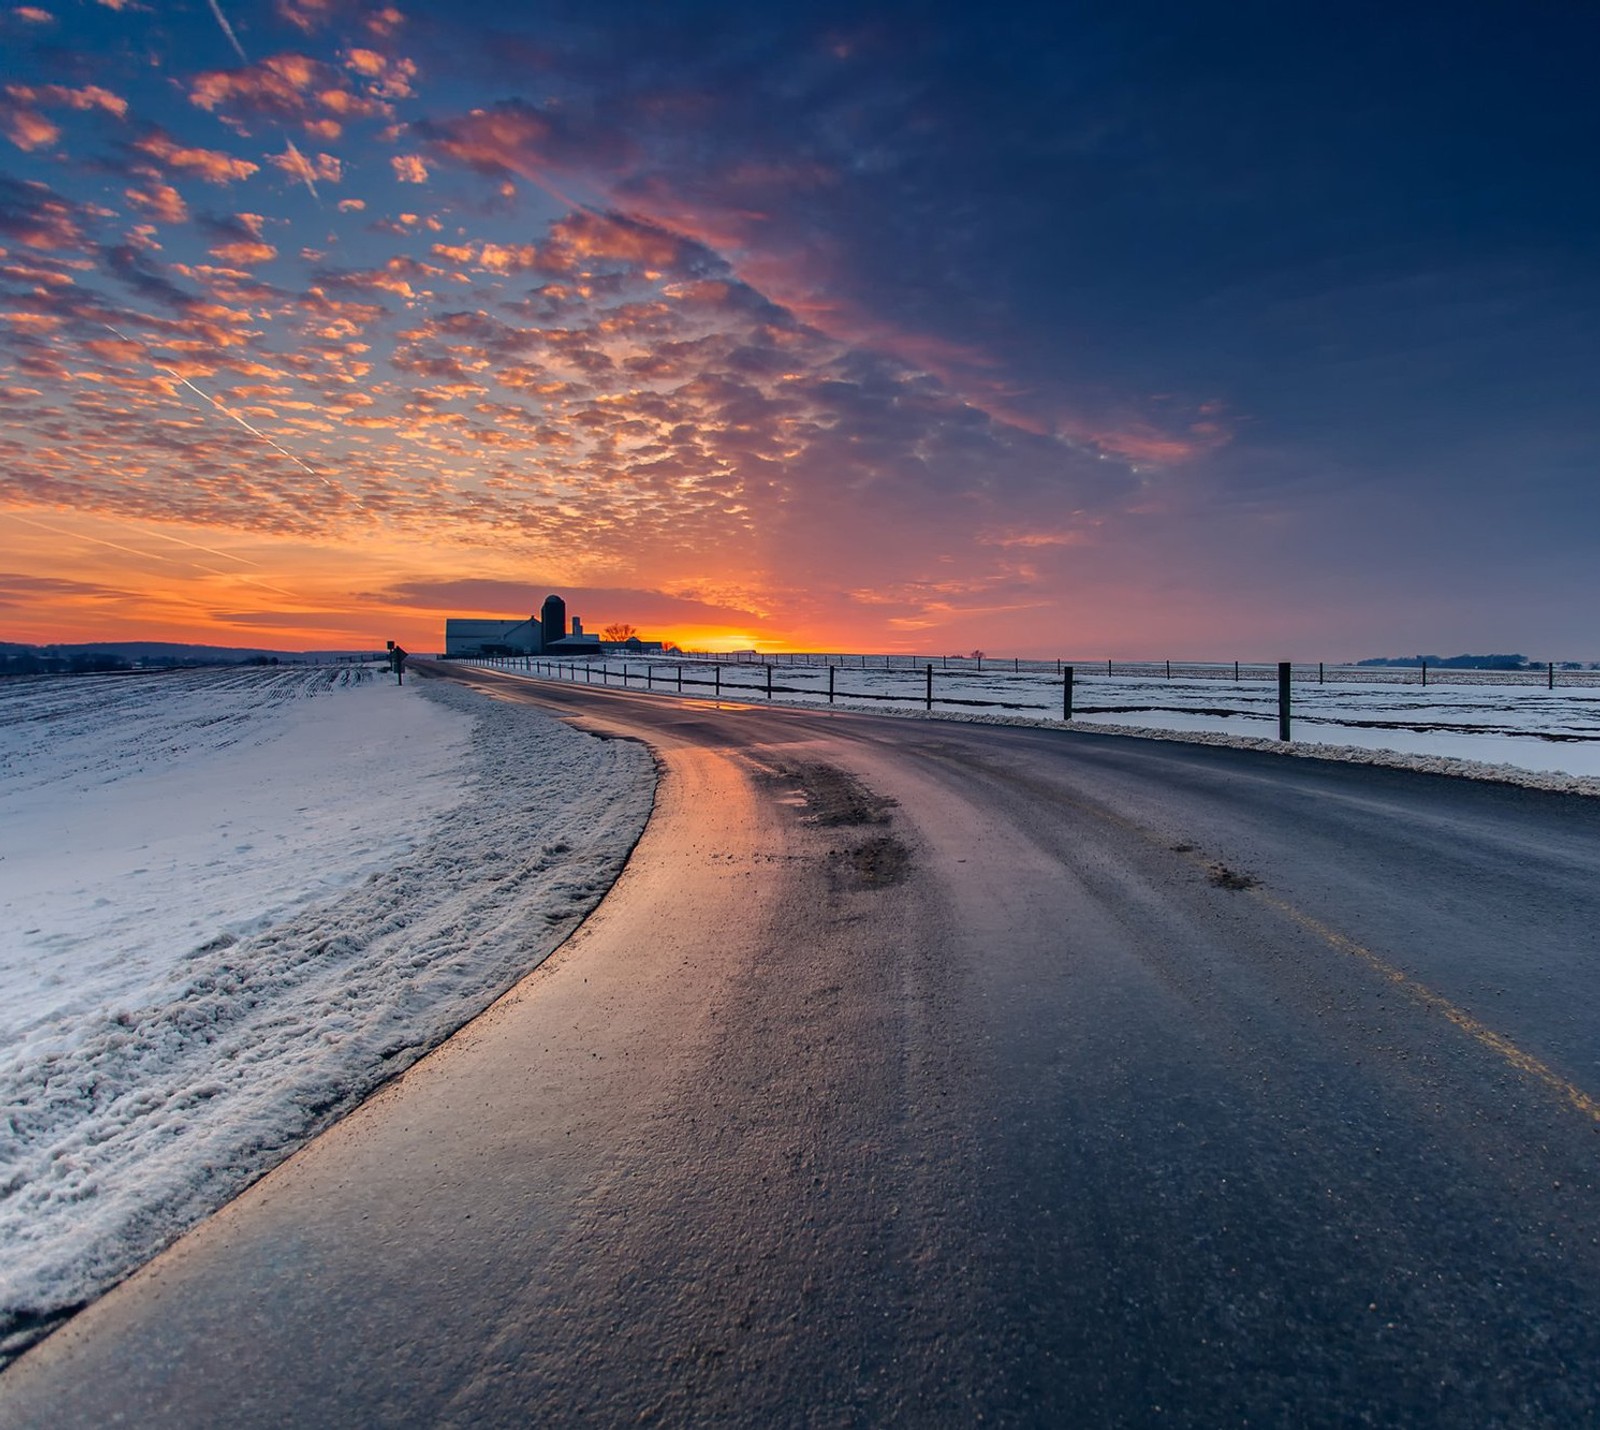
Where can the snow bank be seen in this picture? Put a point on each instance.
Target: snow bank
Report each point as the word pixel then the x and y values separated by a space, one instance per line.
pixel 232 909
pixel 1469 724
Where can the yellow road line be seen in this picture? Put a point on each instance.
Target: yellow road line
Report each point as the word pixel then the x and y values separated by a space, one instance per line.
pixel 1481 1033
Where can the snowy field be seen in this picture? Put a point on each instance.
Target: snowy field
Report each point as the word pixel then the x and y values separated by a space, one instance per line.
pixel 1512 723
pixel 232 902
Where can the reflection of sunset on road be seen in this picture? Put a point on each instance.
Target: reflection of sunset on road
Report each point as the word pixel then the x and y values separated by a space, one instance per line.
pixel 321 321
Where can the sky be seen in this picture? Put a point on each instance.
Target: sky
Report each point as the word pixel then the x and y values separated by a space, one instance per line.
pixel 1131 329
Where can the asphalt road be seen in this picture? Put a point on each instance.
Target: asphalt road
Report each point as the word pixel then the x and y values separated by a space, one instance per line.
pixel 941 1074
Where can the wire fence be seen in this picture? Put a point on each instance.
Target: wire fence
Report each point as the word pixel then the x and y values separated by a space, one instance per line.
pixel 1249 698
pixel 1545 673
pixel 799 666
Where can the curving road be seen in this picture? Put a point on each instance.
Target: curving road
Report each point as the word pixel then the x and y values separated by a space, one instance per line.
pixel 934 1073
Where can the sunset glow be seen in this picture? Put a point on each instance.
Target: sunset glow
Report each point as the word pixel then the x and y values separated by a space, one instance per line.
pixel 326 321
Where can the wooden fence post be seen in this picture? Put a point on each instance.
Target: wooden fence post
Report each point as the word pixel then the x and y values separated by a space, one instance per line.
pixel 1283 699
pixel 1066 693
pixel 718 669
pixel 927 699
pixel 769 682
pixel 830 685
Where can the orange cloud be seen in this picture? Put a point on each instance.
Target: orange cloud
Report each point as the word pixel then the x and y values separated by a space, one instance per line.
pixel 508 258
pixel 211 165
pixel 57 96
pixel 585 236
pixel 390 77
pixel 161 201
pixel 384 22
pixel 28 129
pixel 245 252
pixel 307 15
pixel 289 88
pixel 1027 540
pixel 409 169
pixel 275 87
pixel 326 169
pixel 35 322
pixel 1145 446
pixel 516 138
pixel 365 62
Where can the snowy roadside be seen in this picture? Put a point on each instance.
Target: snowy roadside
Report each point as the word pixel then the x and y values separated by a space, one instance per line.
pixel 1420 760
pixel 1506 733
pixel 231 910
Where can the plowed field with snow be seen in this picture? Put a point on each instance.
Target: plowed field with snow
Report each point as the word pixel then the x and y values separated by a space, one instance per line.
pixel 234 901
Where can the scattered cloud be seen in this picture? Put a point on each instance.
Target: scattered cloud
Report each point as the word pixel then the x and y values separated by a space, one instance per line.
pixel 160 202
pixel 320 169
pixel 211 165
pixel 293 89
pixel 22 109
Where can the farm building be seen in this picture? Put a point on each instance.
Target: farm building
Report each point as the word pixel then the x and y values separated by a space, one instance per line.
pixel 544 634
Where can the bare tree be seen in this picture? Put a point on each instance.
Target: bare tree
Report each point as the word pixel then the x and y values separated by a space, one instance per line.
pixel 618 631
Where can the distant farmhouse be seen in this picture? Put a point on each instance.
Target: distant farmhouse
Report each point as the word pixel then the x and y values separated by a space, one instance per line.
pixel 546 634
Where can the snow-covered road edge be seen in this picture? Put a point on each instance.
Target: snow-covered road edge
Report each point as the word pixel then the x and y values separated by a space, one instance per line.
pixel 1344 754
pixel 1427 763
pixel 166 1111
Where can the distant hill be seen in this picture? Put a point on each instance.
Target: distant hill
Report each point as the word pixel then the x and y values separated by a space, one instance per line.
pixel 1469 662
pixel 95 656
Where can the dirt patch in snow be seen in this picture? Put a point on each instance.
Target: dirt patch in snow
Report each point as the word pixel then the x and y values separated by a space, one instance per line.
pixel 830 796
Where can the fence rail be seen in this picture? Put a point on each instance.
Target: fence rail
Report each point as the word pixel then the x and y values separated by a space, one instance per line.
pixel 1546 673
pixel 1014 687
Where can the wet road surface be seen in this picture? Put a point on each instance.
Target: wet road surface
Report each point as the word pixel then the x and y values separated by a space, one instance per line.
pixel 926 1073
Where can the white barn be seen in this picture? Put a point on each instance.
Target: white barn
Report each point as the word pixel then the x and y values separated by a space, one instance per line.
pixel 469 637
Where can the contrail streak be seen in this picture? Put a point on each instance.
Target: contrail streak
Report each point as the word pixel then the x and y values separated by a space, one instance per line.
pixel 151 555
pixel 226 411
pixel 210 551
pixel 227 30
pixel 238 49
pixel 305 167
